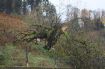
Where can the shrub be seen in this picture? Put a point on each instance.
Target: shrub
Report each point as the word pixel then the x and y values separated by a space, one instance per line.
pixel 79 51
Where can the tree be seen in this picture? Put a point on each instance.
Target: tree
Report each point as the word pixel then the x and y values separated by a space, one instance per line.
pixel 9 6
pixel 73 17
pixel 97 20
pixel 17 5
pixel 85 15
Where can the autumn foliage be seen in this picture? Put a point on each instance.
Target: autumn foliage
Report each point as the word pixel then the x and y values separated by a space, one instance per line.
pixel 11 22
pixel 9 27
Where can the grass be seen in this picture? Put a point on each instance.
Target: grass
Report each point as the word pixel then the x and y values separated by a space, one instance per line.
pixel 41 61
pixel 16 56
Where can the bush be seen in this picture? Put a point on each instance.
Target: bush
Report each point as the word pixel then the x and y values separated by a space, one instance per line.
pixel 79 51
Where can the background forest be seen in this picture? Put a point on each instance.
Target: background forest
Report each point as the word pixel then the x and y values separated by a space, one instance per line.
pixel 32 34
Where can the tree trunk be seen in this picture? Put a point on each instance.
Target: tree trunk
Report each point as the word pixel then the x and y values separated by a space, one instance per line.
pixel 27 59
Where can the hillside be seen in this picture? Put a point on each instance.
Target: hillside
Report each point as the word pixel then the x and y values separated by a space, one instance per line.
pixel 9 22
pixel 14 54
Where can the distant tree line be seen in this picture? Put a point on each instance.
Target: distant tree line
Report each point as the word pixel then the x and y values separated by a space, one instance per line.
pixel 84 18
pixel 18 6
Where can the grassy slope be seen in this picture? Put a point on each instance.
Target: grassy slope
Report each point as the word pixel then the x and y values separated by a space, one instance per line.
pixel 14 55
pixel 37 58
